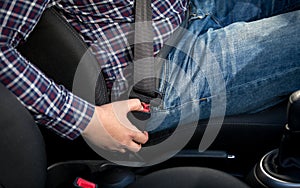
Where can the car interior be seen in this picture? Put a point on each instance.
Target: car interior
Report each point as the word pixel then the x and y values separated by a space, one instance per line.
pixel 251 150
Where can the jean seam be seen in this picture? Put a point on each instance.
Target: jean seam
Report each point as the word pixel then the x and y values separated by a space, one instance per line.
pixel 164 80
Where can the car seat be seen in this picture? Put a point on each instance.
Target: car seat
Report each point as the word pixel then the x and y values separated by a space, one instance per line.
pixel 57 49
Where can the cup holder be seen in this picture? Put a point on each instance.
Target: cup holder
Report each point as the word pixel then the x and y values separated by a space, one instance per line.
pixel 102 173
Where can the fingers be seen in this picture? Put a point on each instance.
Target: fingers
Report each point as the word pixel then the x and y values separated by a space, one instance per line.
pixel 135 105
pixel 122 150
pixel 140 137
pixel 119 134
pixel 137 138
pixel 134 147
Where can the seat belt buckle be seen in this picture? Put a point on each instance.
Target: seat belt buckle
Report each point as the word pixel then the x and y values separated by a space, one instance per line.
pixel 82 183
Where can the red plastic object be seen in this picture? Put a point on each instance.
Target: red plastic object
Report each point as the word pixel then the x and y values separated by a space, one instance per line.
pixel 82 183
pixel 146 107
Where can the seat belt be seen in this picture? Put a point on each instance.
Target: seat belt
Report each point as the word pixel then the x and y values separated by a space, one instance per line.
pixel 144 66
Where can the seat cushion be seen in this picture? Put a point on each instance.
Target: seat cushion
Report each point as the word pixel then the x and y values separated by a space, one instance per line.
pixel 238 133
pixel 188 177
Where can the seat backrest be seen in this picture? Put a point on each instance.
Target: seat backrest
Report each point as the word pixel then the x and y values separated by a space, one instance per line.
pixel 58 50
pixel 22 149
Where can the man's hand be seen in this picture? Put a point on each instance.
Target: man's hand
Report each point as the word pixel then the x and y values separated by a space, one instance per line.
pixel 111 130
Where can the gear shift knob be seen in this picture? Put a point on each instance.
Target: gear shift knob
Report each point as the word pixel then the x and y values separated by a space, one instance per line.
pixel 294 112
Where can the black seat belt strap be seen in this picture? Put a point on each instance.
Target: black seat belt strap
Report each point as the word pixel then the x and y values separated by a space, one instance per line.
pixel 144 69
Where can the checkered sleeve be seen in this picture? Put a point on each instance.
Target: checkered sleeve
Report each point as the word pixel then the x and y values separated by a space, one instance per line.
pixel 50 104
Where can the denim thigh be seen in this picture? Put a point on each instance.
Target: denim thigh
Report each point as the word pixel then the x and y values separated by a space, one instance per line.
pixel 244 67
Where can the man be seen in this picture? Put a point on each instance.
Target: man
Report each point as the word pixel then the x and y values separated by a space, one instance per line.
pixel 238 64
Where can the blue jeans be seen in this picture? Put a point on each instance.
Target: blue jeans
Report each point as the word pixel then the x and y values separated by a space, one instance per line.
pixel 238 56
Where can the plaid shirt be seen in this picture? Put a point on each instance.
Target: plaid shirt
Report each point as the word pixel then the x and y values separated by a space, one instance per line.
pixel 105 25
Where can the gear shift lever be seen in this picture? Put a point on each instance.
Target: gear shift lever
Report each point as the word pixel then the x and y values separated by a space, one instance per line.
pixel 288 157
pixel 280 168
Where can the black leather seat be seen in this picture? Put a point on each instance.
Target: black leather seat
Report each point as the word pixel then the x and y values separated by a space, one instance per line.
pixel 188 177
pixel 23 156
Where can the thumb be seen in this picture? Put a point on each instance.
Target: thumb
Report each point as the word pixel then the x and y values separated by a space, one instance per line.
pixel 135 105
